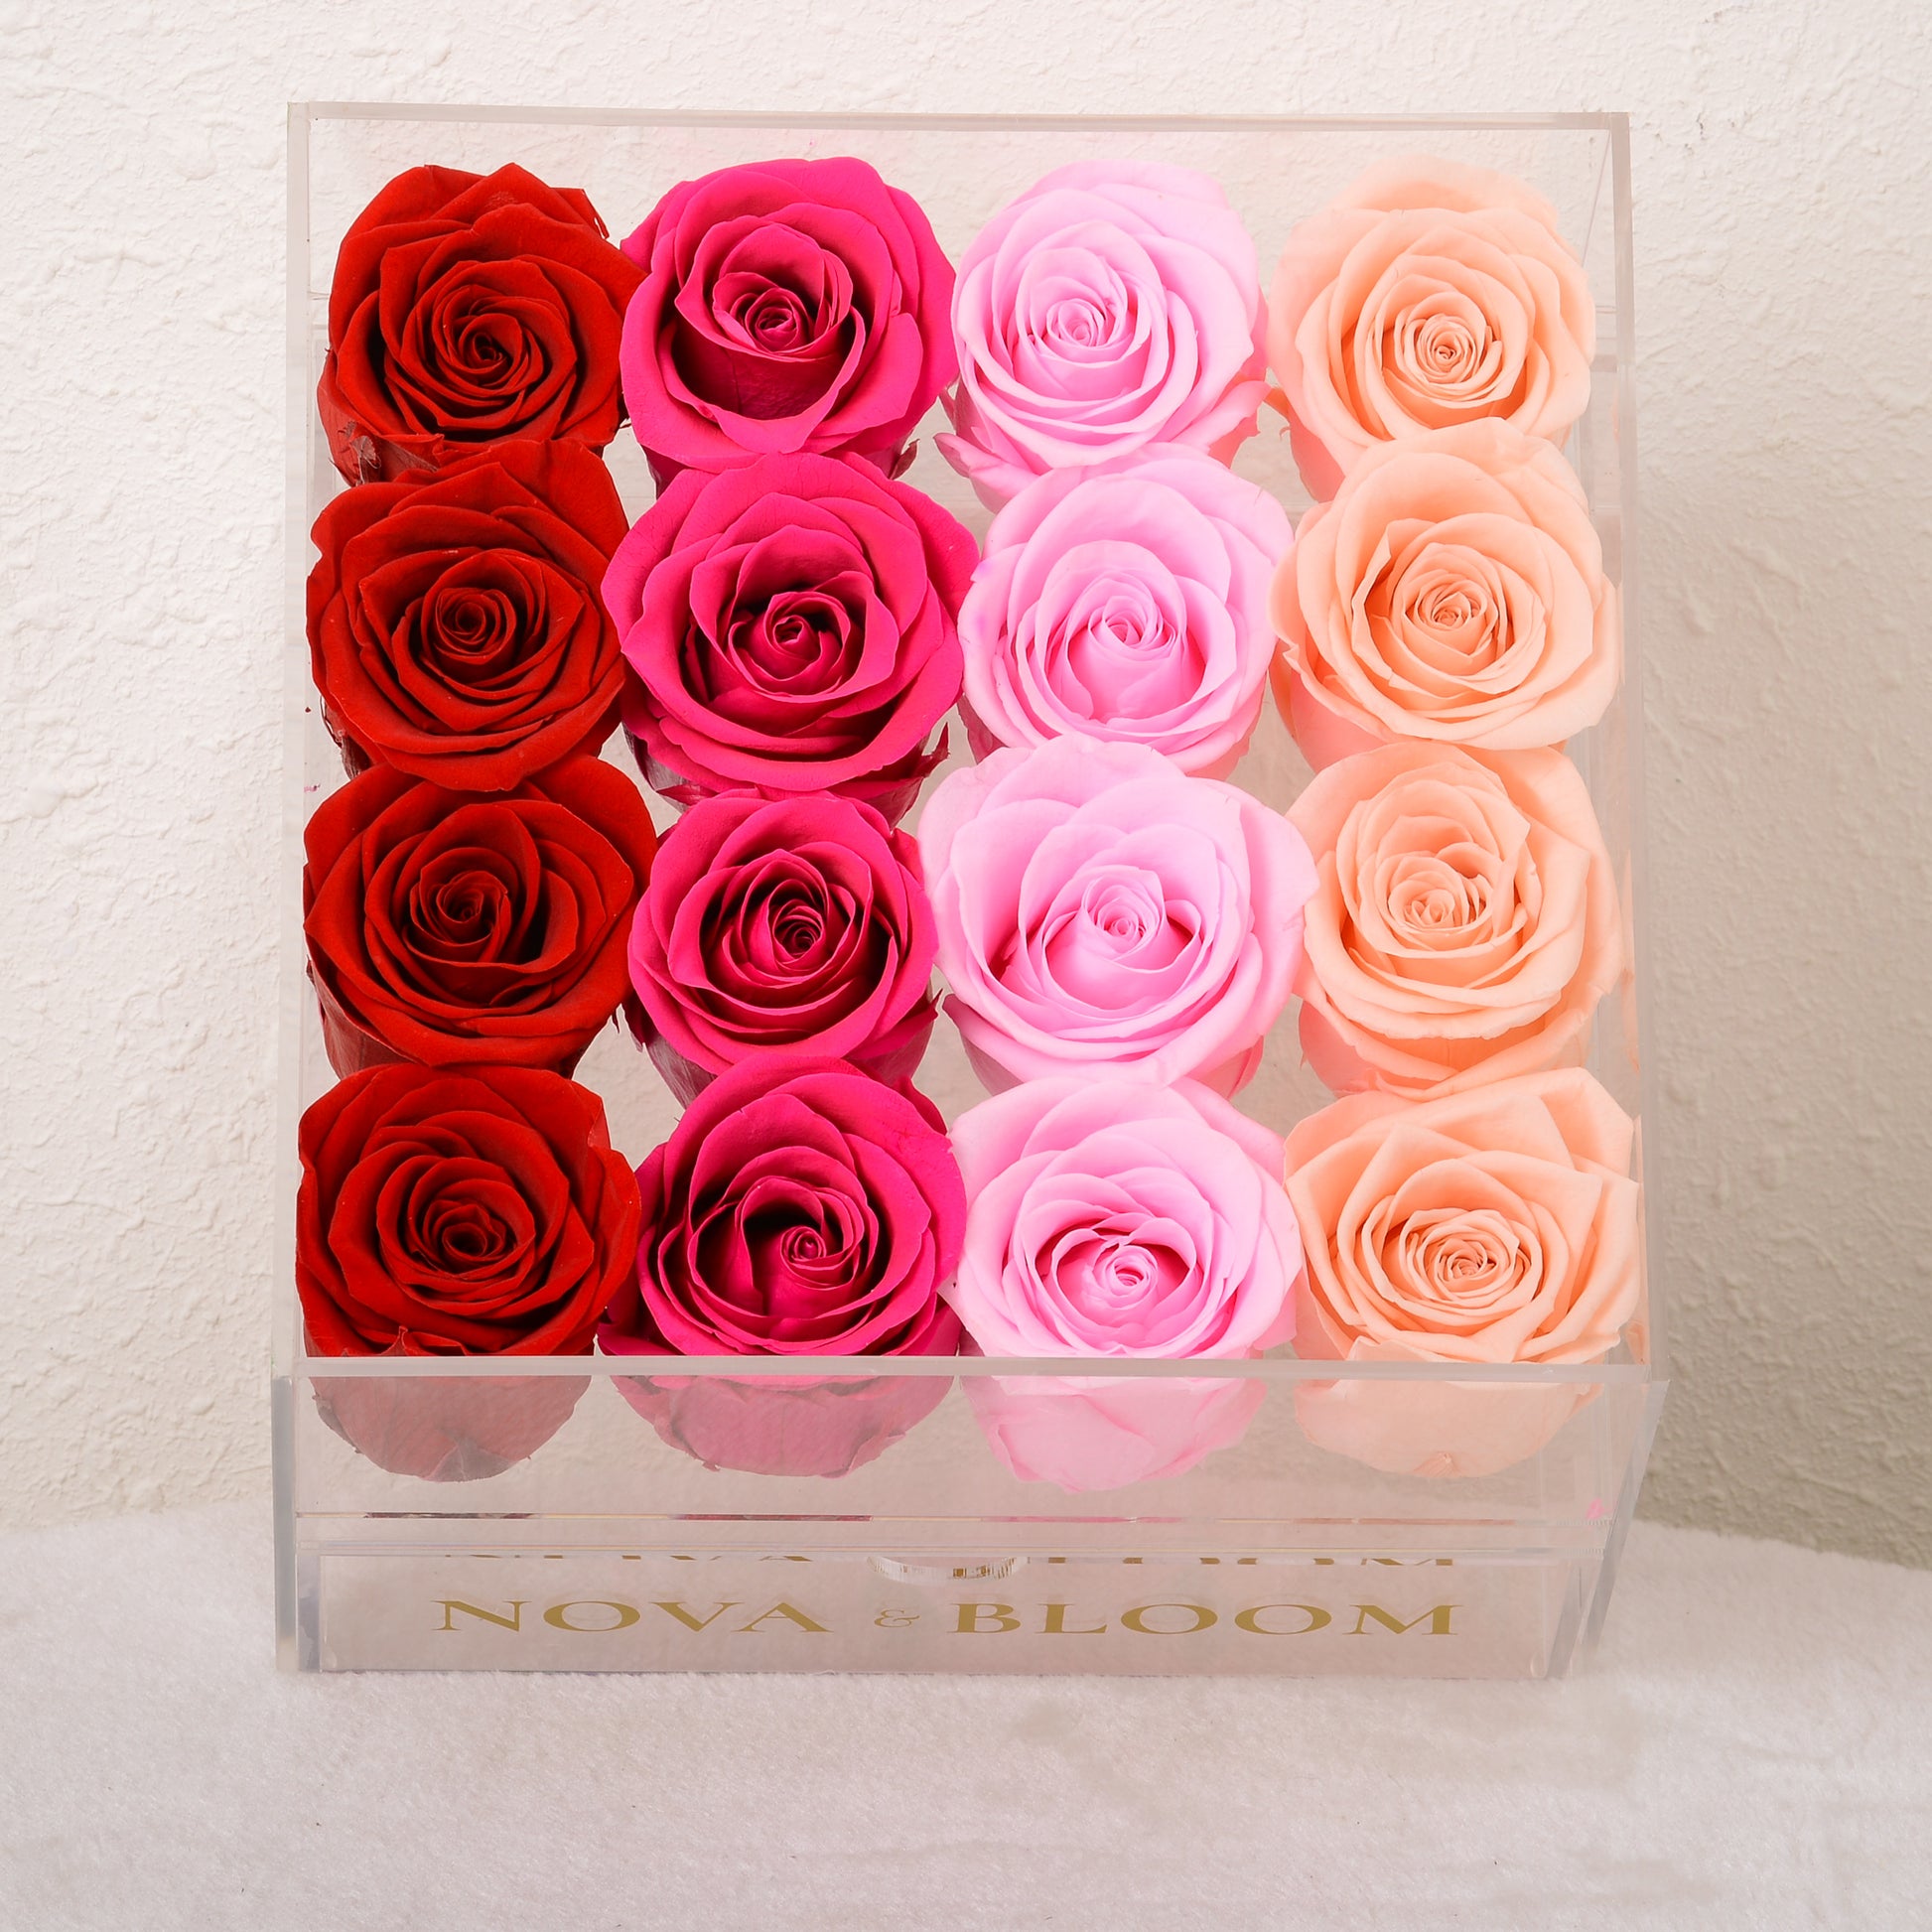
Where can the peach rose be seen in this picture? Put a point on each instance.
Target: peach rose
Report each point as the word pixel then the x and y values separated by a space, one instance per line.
pixel 1492 1227
pixel 1453 589
pixel 1429 294
pixel 1464 920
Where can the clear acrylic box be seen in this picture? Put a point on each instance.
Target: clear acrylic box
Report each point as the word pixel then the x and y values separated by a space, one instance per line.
pixel 1172 1516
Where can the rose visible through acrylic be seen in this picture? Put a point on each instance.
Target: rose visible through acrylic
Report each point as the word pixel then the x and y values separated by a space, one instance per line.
pixel 1113 307
pixel 786 306
pixel 790 628
pixel 1126 602
pixel 1119 1223
pixel 1429 294
pixel 800 1207
pixel 1491 1228
pixel 466 309
pixel 1100 912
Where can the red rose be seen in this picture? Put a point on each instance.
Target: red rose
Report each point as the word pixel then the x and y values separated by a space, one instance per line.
pixel 456 929
pixel 796 925
pixel 456 1213
pixel 456 624
pixel 787 305
pixel 466 309
pixel 474 1213
pixel 792 628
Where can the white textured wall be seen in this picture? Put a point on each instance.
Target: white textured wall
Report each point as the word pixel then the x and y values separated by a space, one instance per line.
pixel 1784 250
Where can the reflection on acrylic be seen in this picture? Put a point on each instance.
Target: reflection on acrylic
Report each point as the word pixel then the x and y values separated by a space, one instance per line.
pixel 813 1425
pixel 1087 1432
pixel 446 1428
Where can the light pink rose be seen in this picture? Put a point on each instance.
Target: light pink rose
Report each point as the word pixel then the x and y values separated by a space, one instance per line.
pixel 1453 590
pixel 1131 1223
pixel 1429 294
pixel 1114 305
pixel 1141 1223
pixel 1130 602
pixel 1464 921
pixel 1100 912
pixel 1492 1227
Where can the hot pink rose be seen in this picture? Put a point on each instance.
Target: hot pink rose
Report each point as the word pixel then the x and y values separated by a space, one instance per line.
pixel 791 629
pixel 1114 305
pixel 1109 1223
pixel 1453 590
pixel 1129 601
pixel 799 1207
pixel 1465 921
pixel 1429 294
pixel 798 926
pixel 1128 1222
pixel 786 305
pixel 1100 912
pixel 1490 1227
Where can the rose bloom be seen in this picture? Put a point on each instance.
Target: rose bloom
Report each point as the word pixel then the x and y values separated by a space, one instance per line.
pixel 445 1212
pixel 1453 590
pixel 799 1207
pixel 786 306
pixel 792 629
pixel 1112 305
pixel 466 309
pixel 1139 1222
pixel 1101 914
pixel 1104 1224
pixel 1488 1227
pixel 1464 920
pixel 1128 601
pixel 450 928
pixel 460 1212
pixel 455 626
pixel 796 925
pixel 1429 294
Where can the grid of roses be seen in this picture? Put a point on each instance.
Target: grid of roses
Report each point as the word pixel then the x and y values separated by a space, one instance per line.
pixel 352 1044
pixel 469 894
pixel 1048 500
pixel 431 224
pixel 1446 625
pixel 467 891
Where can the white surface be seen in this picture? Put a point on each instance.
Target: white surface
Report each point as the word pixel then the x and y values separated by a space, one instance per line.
pixel 1784 230
pixel 1752 1749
